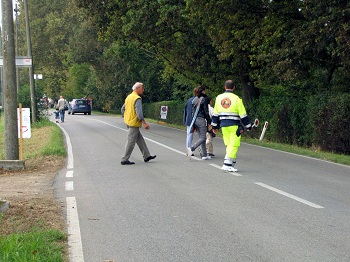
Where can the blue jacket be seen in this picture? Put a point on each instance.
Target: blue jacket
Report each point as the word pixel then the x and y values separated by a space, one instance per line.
pixel 187 116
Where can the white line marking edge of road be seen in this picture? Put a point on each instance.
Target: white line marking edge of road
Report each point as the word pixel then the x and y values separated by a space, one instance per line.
pixel 289 195
pixel 69 149
pixel 74 236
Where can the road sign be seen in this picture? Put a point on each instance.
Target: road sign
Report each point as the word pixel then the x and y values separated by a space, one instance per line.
pixel 163 112
pixel 26 129
pixel 21 61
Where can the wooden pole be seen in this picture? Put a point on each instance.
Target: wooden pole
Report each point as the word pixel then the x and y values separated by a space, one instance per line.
pixel 20 133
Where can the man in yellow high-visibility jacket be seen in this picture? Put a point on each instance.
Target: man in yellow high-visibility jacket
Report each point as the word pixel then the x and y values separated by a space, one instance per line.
pixel 229 112
pixel 133 118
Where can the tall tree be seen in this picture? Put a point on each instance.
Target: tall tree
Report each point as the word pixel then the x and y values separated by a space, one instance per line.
pixel 162 27
pixel 304 44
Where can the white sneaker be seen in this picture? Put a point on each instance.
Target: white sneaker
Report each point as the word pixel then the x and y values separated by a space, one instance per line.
pixel 229 168
pixel 189 153
pixel 206 157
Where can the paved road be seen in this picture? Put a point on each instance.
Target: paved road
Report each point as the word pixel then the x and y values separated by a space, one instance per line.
pixel 278 207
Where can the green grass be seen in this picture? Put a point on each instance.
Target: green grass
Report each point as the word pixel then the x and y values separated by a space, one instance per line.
pixel 336 158
pixel 46 245
pixel 36 246
pixel 56 140
pixel 40 144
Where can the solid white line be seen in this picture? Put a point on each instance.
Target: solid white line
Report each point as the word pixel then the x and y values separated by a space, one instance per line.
pixel 69 173
pixel 289 195
pixel 294 154
pixel 151 140
pixel 69 149
pixel 219 167
pixel 74 237
pixel 69 186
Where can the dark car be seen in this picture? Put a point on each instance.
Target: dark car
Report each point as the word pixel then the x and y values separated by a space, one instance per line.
pixel 80 106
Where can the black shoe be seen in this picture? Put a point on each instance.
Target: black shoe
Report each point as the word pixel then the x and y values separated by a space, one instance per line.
pixel 127 162
pixel 150 158
pixel 210 154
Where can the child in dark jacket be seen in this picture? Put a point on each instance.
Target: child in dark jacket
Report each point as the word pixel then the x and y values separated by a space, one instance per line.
pixel 57 115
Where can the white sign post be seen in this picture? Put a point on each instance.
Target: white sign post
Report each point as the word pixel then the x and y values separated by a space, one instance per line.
pixel 163 112
pixel 26 129
pixel 264 130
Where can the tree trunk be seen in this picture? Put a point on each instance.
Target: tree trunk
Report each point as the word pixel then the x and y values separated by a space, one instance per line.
pixel 249 91
pixel 10 87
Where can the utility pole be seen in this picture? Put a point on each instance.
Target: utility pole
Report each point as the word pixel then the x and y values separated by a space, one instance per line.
pixel 10 89
pixel 31 70
pixel 17 47
pixel 1 74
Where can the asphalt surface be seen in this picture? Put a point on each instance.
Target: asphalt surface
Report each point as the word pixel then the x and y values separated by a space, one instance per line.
pixel 278 207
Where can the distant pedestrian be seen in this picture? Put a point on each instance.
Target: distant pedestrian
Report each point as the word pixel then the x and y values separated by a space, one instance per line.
pixel 201 120
pixel 62 104
pixel 134 119
pixel 57 115
pixel 187 119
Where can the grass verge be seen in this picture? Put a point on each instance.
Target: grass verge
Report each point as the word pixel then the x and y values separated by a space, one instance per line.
pixel 33 246
pixel 32 229
pixel 336 158
pixel 247 138
pixel 46 140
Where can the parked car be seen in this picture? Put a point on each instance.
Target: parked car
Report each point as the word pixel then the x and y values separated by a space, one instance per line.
pixel 79 106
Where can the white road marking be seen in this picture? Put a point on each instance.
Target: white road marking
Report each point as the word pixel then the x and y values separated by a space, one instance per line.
pixel 289 195
pixel 74 237
pixel 219 167
pixel 69 173
pixel 151 140
pixel 308 157
pixel 69 149
pixel 69 186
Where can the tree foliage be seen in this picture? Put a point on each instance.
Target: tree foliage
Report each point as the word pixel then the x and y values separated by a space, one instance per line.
pixel 285 50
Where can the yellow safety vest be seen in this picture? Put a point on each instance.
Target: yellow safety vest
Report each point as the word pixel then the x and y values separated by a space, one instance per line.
pixel 230 104
pixel 130 116
pixel 229 110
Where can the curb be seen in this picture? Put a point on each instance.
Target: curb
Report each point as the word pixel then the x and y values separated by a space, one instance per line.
pixel 12 164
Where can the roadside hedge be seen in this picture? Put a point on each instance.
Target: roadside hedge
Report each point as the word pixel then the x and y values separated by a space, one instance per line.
pixel 174 115
pixel 321 122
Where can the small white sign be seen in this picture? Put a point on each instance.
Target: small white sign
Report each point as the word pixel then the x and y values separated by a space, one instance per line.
pixel 163 112
pixel 26 128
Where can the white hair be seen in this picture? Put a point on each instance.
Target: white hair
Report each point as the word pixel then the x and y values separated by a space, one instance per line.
pixel 136 85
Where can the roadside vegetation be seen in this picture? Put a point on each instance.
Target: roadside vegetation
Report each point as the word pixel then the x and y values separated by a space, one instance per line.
pixel 253 138
pixel 336 158
pixel 29 230
pixel 289 59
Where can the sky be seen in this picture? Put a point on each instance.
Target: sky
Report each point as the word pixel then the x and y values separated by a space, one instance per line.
pixel 13 6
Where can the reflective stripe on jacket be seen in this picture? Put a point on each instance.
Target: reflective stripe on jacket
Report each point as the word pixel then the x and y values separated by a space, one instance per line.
pixel 229 111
